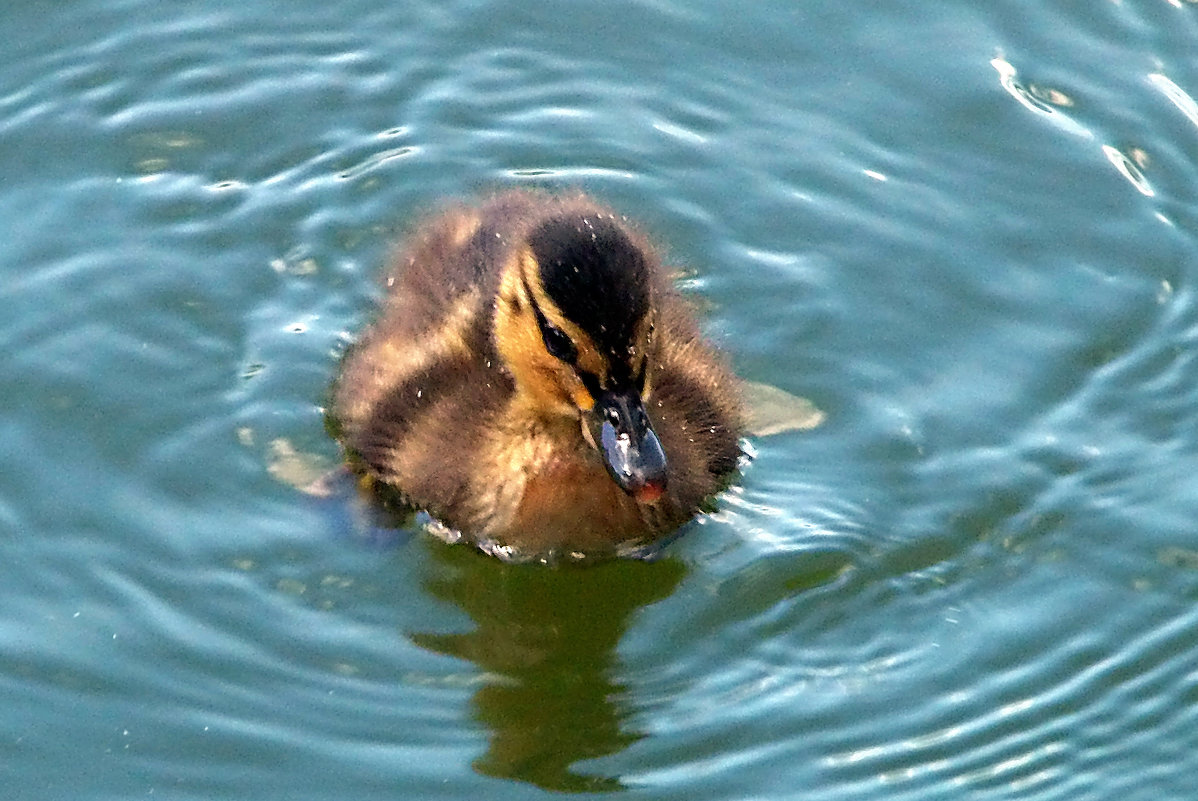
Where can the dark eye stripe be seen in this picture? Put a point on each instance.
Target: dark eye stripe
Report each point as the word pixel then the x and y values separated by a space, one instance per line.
pixel 591 382
pixel 557 342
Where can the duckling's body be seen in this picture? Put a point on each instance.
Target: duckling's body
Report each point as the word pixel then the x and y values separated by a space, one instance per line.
pixel 535 383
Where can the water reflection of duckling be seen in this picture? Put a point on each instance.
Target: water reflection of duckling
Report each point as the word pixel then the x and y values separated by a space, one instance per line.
pixel 552 689
pixel 535 383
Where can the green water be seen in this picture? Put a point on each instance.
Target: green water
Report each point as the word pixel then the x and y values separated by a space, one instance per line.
pixel 966 232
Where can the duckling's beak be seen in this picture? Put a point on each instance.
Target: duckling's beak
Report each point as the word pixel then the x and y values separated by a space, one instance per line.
pixel 620 430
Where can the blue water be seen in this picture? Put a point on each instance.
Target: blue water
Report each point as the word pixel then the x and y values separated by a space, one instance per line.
pixel 966 232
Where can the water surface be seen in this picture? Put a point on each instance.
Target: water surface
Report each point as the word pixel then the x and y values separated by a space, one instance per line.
pixel 967 234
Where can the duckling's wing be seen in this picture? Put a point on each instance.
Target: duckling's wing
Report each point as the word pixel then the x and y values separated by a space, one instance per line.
pixel 769 410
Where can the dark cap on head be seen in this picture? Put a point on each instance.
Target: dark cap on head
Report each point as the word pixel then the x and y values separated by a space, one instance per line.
pixel 595 275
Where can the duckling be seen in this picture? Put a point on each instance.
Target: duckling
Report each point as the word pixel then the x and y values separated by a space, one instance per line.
pixel 534 383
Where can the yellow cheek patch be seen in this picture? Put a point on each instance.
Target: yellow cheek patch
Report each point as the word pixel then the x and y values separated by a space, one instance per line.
pixel 546 382
pixel 583 399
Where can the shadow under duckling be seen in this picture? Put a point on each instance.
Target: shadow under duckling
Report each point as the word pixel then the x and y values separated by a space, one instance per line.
pixel 535 383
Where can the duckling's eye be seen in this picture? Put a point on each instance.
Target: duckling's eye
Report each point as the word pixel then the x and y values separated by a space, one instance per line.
pixel 557 343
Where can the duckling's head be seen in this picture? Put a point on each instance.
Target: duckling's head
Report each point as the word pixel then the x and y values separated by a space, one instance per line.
pixel 574 322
